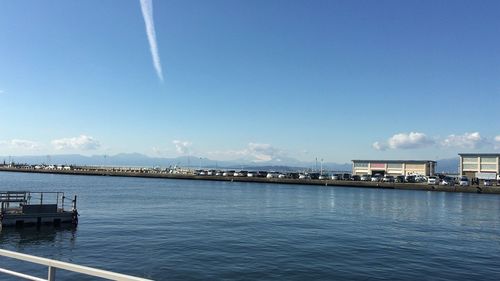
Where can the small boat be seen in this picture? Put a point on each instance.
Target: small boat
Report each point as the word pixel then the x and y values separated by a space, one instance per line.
pixel 25 208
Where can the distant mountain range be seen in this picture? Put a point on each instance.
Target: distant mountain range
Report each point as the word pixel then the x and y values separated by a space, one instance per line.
pixel 141 160
pixel 449 165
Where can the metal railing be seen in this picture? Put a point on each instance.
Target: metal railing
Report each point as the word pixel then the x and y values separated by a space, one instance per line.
pixel 54 264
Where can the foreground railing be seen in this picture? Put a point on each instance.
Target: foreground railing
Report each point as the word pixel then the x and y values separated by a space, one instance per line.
pixel 54 264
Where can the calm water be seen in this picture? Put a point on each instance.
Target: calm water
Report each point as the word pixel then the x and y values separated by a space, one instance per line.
pixel 195 230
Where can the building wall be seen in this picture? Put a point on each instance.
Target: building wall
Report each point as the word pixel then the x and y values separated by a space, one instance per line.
pixel 393 168
pixel 470 164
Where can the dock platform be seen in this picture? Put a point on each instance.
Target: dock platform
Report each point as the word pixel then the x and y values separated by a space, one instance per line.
pixel 25 208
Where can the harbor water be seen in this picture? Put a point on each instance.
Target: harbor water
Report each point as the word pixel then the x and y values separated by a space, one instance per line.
pixel 203 230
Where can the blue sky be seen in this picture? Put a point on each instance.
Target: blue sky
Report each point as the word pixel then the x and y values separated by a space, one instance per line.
pixel 260 79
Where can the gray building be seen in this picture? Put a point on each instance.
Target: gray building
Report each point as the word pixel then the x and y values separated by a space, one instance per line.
pixel 480 165
pixel 394 167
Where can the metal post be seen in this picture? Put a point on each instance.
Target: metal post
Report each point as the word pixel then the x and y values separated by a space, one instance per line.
pixel 52 274
pixel 41 198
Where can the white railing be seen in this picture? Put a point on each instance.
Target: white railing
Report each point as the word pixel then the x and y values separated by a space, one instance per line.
pixel 54 264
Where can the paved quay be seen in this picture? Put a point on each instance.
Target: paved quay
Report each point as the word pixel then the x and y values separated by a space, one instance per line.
pixel 359 184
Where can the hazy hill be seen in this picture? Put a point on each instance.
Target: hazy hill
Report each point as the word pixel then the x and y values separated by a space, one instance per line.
pixel 137 159
pixel 141 160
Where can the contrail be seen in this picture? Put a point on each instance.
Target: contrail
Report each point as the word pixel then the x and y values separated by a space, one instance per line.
pixel 147 13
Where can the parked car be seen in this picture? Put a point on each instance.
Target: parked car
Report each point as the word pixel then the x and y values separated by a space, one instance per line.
pixel 433 180
pixel 447 181
pixel 410 179
pixel 314 176
pixel 376 177
pixel 336 177
pixel 422 179
pixel 260 174
pixel 400 179
pixel 388 178
pixel 366 177
pixel 271 175
pixel 464 181
pixel 355 178
pixel 488 183
pixel 304 177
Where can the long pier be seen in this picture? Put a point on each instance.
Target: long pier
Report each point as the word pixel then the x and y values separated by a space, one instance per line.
pixel 328 182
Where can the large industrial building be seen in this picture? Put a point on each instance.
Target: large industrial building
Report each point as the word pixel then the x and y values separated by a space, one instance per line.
pixel 394 167
pixel 480 165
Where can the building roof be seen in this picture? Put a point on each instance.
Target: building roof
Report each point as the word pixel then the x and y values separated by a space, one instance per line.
pixel 397 161
pixel 479 154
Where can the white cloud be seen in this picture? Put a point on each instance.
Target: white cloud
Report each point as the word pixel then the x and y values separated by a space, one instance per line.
pixel 81 142
pixel 255 152
pixel 182 147
pixel 497 142
pixel 158 151
pixel 411 140
pixel 147 13
pixel 467 140
pixel 262 152
pixel 379 146
pixel 20 144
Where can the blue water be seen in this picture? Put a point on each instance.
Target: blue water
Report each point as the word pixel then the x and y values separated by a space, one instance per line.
pixel 197 230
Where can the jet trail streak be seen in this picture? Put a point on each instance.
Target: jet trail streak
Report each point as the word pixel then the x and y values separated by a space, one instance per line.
pixel 147 13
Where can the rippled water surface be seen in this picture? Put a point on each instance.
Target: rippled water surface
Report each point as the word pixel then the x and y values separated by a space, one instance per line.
pixel 201 230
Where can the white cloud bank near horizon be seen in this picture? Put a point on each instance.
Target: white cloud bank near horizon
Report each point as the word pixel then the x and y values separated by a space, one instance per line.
pixel 147 13
pixel 82 142
pixel 497 142
pixel 20 144
pixel 255 152
pixel 182 147
pixel 415 140
pixel 467 140
pixel 410 140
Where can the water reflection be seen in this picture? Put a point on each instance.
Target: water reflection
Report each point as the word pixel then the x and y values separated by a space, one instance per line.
pixel 242 231
pixel 28 236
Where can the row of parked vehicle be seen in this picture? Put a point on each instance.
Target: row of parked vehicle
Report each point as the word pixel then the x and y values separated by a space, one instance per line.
pixel 462 181
pixel 273 174
pixel 431 180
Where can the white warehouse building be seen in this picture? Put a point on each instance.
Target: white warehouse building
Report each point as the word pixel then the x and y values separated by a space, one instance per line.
pixel 394 167
pixel 480 165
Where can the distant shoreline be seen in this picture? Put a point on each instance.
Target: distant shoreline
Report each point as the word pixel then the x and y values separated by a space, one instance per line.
pixel 343 183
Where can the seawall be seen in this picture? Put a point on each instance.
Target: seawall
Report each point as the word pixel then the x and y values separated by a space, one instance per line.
pixel 360 184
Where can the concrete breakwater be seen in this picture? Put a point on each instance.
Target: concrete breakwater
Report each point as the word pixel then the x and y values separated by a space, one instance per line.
pixel 348 183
